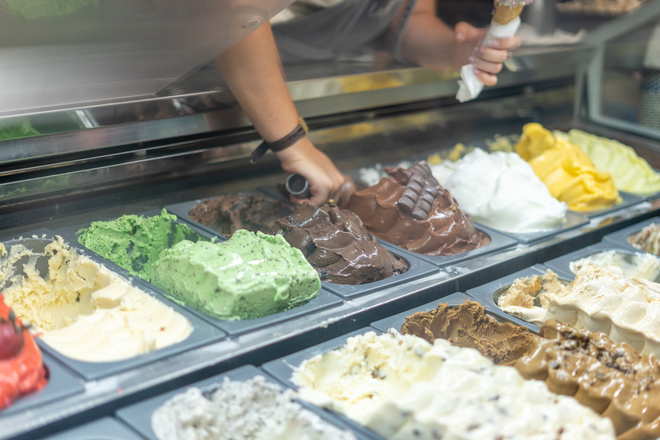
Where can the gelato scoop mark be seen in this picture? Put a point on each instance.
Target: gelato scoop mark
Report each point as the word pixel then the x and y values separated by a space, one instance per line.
pixel 83 310
pixel 568 173
pixel 598 299
pixel 21 367
pixel 446 230
pixel 468 325
pixel 248 276
pixel 633 265
pixel 402 387
pixel 648 239
pixel 496 188
pixel 229 213
pixel 232 410
pixel 135 242
pixel 338 246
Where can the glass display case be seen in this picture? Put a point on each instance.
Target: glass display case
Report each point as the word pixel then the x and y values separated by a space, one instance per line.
pixel 80 142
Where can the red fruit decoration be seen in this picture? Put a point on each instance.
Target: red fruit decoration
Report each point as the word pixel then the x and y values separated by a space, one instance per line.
pixel 21 368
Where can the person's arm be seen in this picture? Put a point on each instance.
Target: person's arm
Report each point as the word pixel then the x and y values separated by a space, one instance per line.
pixel 429 42
pixel 251 69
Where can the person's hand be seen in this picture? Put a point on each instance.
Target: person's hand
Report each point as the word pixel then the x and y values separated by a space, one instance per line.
pixel 323 177
pixel 486 60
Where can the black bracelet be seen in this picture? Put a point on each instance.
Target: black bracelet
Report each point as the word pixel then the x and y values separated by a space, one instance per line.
pixel 294 136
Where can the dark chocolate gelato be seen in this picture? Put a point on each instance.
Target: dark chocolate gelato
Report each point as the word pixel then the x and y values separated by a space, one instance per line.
pixel 229 213
pixel 338 246
pixel 410 209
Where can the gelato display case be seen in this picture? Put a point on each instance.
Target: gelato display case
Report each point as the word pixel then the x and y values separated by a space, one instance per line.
pixel 143 170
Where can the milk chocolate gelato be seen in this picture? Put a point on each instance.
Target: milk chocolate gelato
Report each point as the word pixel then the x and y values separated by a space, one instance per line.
pixel 338 246
pixel 410 209
pixel 229 213
pixel 609 377
pixel 468 325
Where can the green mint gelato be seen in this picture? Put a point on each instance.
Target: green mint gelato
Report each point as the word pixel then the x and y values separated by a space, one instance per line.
pixel 248 276
pixel 135 242
pixel 17 131
pixel 34 9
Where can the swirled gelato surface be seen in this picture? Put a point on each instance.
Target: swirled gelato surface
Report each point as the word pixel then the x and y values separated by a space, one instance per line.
pixel 409 208
pixel 648 239
pixel 568 173
pixel 82 309
pixel 598 299
pixel 402 387
pixel 338 246
pixel 500 190
pixel 632 265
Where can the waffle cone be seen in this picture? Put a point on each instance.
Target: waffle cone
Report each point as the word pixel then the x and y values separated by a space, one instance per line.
pixel 504 14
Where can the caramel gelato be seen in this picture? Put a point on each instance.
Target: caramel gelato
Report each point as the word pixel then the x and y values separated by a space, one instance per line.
pixel 410 209
pixel 338 246
pixel 468 325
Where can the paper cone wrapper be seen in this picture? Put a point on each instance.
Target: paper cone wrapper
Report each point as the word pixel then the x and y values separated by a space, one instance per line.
pixel 505 14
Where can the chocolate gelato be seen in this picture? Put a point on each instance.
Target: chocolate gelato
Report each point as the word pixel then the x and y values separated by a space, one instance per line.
pixel 609 377
pixel 338 246
pixel 229 213
pixel 410 209
pixel 468 325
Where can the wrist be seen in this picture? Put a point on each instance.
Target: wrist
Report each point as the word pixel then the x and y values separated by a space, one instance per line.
pixel 284 143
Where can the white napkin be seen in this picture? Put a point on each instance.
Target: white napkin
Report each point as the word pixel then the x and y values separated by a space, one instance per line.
pixel 469 86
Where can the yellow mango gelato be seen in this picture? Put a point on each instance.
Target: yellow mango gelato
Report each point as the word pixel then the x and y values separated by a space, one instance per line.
pixel 630 172
pixel 568 173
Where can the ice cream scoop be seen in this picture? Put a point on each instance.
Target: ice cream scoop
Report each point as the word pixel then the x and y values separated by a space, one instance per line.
pixel 298 186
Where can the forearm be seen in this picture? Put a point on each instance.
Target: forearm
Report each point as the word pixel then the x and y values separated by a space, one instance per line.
pixel 251 70
pixel 427 40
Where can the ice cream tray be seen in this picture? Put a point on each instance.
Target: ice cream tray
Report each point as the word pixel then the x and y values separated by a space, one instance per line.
pixel 138 416
pixel 106 428
pixel 486 293
pixel 418 267
pixel 498 242
pixel 627 200
pixel 202 333
pixel 324 299
pixel 561 265
pixel 282 369
pixel 620 237
pixel 572 220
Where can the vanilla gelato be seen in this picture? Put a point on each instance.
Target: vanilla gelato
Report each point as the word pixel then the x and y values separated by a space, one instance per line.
pixel 502 191
pixel 82 309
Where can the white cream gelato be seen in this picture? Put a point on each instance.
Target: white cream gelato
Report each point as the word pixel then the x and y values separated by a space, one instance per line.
pixel 599 300
pixel 502 191
pixel 402 387
pixel 633 265
pixel 82 309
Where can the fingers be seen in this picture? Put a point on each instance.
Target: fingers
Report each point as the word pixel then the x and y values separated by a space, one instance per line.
pixel 466 32
pixel 510 43
pixel 486 78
